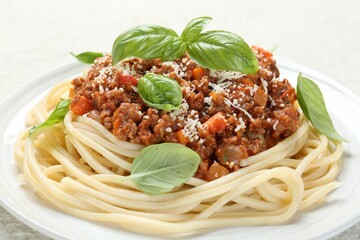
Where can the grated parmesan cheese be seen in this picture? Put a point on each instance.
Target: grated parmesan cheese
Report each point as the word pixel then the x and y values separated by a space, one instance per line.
pixel 268 72
pixel 252 90
pixel 179 71
pixel 225 74
pixel 191 120
pixel 208 100
pixel 105 73
pixel 275 124
pixel 240 126
pixel 265 85
pixel 229 103
pixel 190 129
pixel 219 88
pixel 126 69
pixel 101 89
pixel 134 88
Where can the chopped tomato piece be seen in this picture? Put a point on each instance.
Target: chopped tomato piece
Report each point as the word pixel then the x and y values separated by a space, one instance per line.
pixel 198 73
pixel 80 105
pixel 216 171
pixel 217 123
pixel 126 80
pixel 181 137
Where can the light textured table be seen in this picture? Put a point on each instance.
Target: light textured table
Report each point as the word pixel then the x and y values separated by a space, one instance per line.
pixel 36 36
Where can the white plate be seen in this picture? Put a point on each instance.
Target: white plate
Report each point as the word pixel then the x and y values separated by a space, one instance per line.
pixel 340 212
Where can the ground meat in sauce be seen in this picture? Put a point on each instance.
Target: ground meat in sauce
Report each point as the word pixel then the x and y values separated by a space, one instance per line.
pixel 225 116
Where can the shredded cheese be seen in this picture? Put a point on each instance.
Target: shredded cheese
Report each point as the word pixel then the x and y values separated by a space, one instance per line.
pixel 225 74
pixel 265 85
pixel 240 126
pixel 190 129
pixel 208 100
pixel 105 73
pixel 230 103
pixel 179 70
pixel 101 88
pixel 126 69
pixel 134 88
pixel 252 90
pixel 275 124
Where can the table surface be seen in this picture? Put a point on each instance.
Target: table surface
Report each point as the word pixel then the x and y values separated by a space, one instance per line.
pixel 36 36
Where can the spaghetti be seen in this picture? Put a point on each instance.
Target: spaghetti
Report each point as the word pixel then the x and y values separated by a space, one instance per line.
pixel 74 166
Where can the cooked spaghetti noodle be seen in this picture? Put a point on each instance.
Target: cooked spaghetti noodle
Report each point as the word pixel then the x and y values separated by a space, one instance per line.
pixel 74 166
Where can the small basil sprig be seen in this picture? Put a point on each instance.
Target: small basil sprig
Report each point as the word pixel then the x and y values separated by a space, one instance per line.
pixel 87 57
pixel 57 116
pixel 313 105
pixel 213 49
pixel 160 92
pixel 161 167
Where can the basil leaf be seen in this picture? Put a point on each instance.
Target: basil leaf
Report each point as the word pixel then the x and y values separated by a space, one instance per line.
pixel 57 116
pixel 312 103
pixel 223 50
pixel 87 57
pixel 194 28
pixel 161 167
pixel 160 92
pixel 148 42
pixel 300 98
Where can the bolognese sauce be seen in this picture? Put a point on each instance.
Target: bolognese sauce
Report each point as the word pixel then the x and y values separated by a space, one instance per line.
pixel 224 116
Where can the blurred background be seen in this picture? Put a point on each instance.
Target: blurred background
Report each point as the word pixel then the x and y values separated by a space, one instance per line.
pixel 37 35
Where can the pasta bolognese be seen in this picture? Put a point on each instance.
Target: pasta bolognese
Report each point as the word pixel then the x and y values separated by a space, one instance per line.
pixel 260 158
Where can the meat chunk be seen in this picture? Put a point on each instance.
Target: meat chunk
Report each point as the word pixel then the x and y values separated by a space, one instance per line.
pixel 126 118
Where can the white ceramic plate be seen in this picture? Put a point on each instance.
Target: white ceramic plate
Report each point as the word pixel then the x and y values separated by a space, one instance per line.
pixel 340 212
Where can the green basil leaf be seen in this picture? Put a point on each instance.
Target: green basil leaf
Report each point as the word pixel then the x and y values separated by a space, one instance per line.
pixel 161 167
pixel 194 28
pixel 57 116
pixel 148 42
pixel 87 57
pixel 160 92
pixel 313 105
pixel 224 51
pixel 300 98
